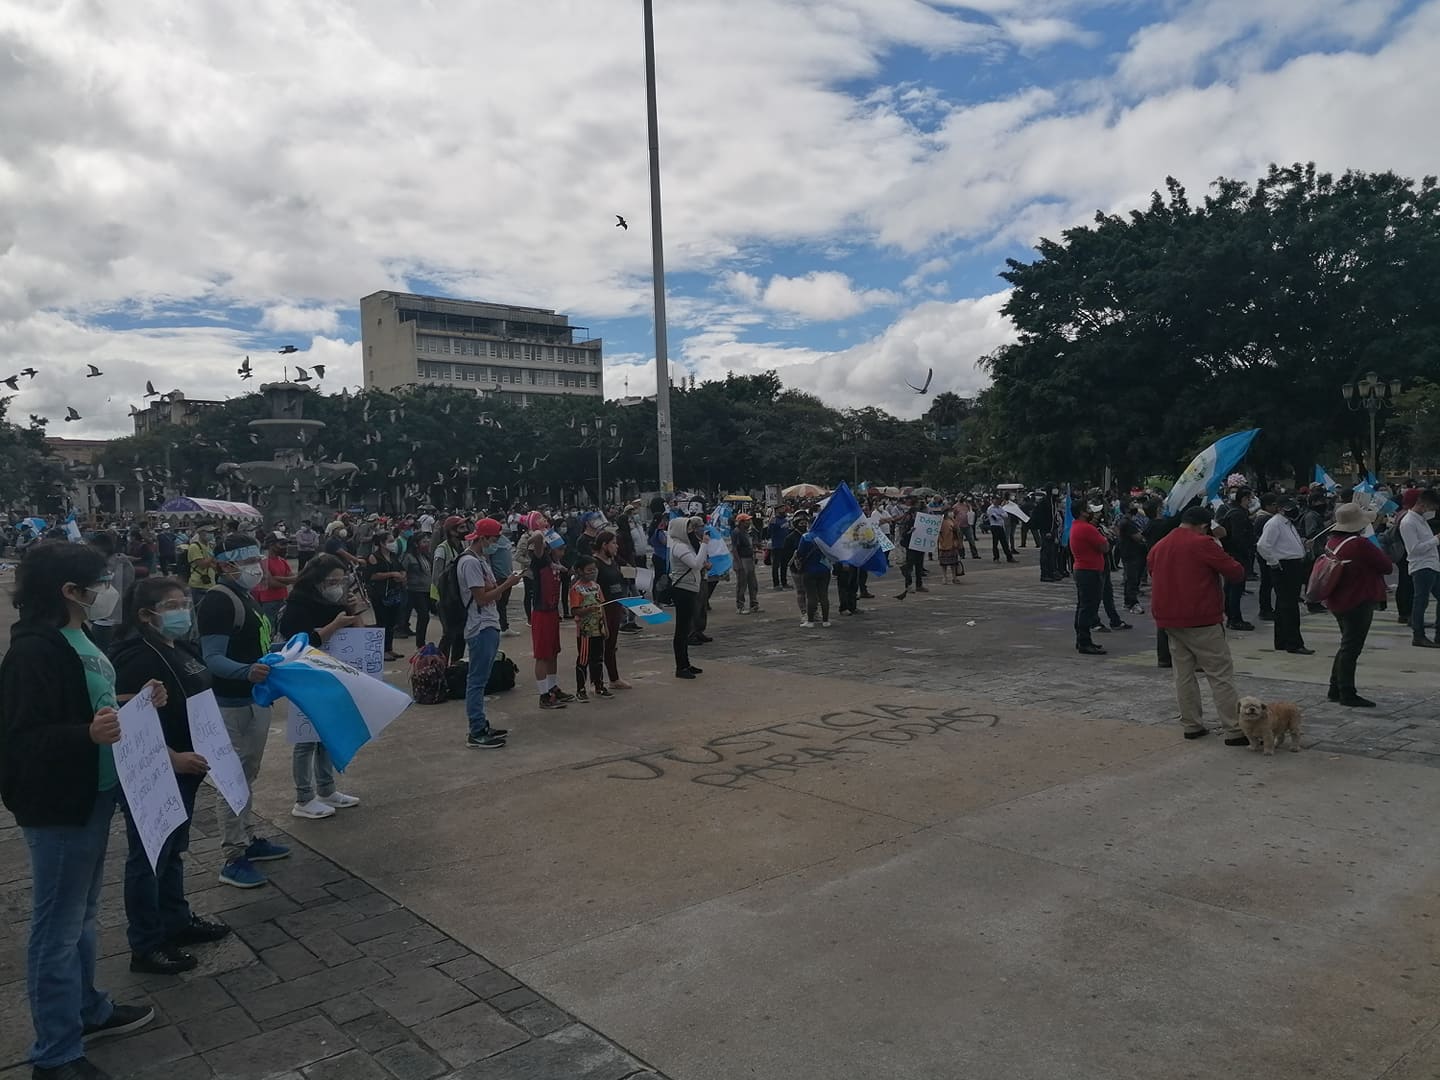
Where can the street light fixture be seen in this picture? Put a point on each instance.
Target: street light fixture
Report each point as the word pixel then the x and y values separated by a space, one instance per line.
pixel 598 430
pixel 1373 394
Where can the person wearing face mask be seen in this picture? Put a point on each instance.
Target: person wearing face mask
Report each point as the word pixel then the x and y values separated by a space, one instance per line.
pixel 317 607
pixel 234 635
pixel 58 723
pixel 1422 557
pixel 200 559
pixel 687 568
pixel 1281 548
pixel 452 638
pixel 418 566
pixel 482 590
pixel 386 587
pixel 122 576
pixel 275 584
pixel 153 646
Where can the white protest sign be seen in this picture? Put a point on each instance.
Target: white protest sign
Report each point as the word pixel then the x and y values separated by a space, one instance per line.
pixel 212 742
pixel 360 647
pixel 1014 511
pixel 142 761
pixel 886 544
pixel 644 580
pixel 926 536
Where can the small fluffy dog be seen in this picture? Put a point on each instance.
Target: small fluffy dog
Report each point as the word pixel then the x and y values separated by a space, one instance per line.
pixel 1267 725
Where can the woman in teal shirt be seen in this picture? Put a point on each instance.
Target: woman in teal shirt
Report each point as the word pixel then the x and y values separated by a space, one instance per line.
pixel 57 776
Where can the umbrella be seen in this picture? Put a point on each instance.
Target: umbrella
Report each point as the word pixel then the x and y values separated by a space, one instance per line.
pixel 923 492
pixel 738 498
pixel 803 491
pixel 890 491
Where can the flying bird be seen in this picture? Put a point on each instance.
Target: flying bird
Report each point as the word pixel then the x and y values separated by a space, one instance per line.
pixel 288 349
pixel 71 414
pixel 319 370
pixel 301 375
pixel 929 374
pixel 29 371
pixel 621 223
pixel 94 371
pixel 244 370
pixel 150 390
pixel 134 411
pixel 13 382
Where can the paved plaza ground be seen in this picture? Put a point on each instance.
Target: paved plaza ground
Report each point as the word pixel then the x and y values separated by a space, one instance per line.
pixel 930 842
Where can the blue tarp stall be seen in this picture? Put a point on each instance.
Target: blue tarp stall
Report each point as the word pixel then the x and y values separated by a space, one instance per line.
pixel 186 506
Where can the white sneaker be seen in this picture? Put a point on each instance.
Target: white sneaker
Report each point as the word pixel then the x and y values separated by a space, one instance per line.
pixel 312 809
pixel 511 632
pixel 1135 609
pixel 807 624
pixel 826 623
pixel 339 800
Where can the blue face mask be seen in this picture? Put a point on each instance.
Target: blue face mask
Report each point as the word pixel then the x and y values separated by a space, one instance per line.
pixel 175 624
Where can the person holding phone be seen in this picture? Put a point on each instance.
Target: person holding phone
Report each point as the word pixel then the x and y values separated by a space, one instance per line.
pixel 482 590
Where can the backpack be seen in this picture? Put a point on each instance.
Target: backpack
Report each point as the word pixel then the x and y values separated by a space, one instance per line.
pixel 1325 574
pixel 182 562
pixel 453 602
pixel 455 677
pixel 427 677
pixel 1391 542
pixel 502 675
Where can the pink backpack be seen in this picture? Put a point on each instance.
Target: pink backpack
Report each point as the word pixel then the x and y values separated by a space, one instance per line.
pixel 1325 574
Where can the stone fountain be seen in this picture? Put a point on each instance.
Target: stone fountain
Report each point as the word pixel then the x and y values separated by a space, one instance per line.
pixel 288 486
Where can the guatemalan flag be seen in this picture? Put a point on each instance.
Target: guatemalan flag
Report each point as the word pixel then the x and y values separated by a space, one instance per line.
pixel 1207 472
pixel 1325 480
pixel 843 532
pixel 644 610
pixel 718 552
pixel 347 707
pixel 1373 500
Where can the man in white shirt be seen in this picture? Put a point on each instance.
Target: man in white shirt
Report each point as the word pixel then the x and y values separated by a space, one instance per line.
pixel 997 521
pixel 1284 552
pixel 1423 556
pixel 427 523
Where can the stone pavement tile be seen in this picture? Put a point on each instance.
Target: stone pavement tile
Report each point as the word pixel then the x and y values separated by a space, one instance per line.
pixel 379 926
pixel 376 1031
pixel 539 1018
pixel 514 999
pixel 348 1007
pixel 574 1053
pixel 411 1061
pixel 261 1056
pixel 194 997
pixel 290 961
pixel 187 1068
pixel 327 916
pixel 262 936
pixel 350 888
pixel 247 980
pixel 420 995
pixel 470 1034
pixel 375 903
pixel 330 947
pixel 1411 757
pixel 466 966
pixel 308 895
pixel 432 955
pixel 247 911
pixel 211 1030
pixel 401 941
pixel 143 1050
pixel 285 1019
pixel 285 997
pixel 490 983
pixel 351 1065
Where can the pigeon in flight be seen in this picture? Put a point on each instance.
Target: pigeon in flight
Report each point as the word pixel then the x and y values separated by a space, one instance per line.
pixel 150 390
pixel 301 375
pixel 244 370
pixel 94 371
pixel 288 349
pixel 13 382
pixel 929 374
pixel 621 223
pixel 319 370
pixel 134 411
pixel 71 414
pixel 29 371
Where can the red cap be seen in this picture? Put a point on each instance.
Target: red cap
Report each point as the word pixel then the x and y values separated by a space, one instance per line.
pixel 486 529
pixel 453 521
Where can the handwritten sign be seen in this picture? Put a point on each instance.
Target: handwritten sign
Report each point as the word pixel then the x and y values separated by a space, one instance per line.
pixel 644 580
pixel 1014 511
pixel 360 647
pixel 142 762
pixel 926 536
pixel 212 742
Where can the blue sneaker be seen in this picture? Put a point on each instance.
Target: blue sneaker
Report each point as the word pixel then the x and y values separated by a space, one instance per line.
pixel 242 874
pixel 262 850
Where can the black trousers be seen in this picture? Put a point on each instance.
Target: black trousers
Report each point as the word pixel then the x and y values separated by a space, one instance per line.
pixel 847 584
pixel 914 568
pixel 1134 570
pixel 1267 589
pixel 817 596
pixel 779 572
pixel 420 604
pixel 1354 629
pixel 1049 557
pixel 1288 581
pixel 1107 594
pixel 1025 531
pixel 1234 591
pixel 1089 587
pixel 1404 590
pixel 1000 541
pixel 685 605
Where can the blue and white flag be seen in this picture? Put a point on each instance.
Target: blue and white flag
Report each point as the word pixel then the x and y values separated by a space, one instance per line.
pixel 72 530
pixel 718 552
pixel 1325 480
pixel 721 517
pixel 554 539
pixel 644 610
pixel 347 707
pixel 845 534
pixel 1067 518
pixel 1207 472
pixel 1374 499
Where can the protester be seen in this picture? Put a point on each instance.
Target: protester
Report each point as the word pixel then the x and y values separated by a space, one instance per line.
pixel 812 565
pixel 275 584
pixel 234 635
pixel 587 608
pixel 779 532
pixel 997 520
pixel 58 722
pixel 481 589
pixel 1269 507
pixel 1353 600
pixel 122 576
pixel 1186 568
pixel 613 586
pixel 1239 544
pixel 1417 531
pixel 1090 550
pixel 317 607
pixel 1131 548
pixel 418 565
pixel 948 548
pixel 200 558
pixel 1283 552
pixel 687 559
pixel 545 577
pixel 307 543
pixel 154 648
pixel 743 546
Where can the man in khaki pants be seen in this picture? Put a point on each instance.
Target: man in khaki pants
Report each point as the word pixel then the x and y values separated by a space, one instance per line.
pixel 1186 569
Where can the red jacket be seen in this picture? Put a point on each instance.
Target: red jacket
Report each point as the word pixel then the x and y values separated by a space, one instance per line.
pixel 1185 569
pixel 1362 581
pixel 1088 546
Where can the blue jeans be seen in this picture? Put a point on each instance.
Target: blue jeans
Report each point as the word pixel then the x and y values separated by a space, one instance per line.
pixel 1427 584
pixel 312 771
pixel 483 647
pixel 155 904
pixel 67 866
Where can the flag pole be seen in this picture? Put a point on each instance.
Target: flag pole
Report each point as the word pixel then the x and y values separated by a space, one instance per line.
pixel 657 258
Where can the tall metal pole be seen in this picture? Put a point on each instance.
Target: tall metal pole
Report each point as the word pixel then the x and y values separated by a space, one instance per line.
pixel 599 479
pixel 657 243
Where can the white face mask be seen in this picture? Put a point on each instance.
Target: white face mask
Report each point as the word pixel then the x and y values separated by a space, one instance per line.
pixel 107 599
pixel 1428 515
pixel 249 577
pixel 333 593
pixel 392 546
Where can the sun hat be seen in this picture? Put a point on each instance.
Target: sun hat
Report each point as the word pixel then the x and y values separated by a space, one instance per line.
pixel 1352 518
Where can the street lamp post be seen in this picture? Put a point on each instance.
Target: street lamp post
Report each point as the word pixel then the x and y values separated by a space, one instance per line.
pixel 599 465
pixel 856 437
pixel 657 258
pixel 1371 393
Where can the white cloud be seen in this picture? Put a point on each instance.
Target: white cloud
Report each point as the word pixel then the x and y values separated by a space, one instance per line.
pixel 289 318
pixel 821 295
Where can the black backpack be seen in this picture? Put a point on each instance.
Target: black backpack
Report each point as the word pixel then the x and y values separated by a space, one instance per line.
pixel 453 603
pixel 502 675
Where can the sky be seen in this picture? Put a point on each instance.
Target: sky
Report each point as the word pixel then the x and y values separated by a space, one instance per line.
pixel 183 184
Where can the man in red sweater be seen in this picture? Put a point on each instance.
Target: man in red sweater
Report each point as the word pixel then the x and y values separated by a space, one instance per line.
pixel 1186 600
pixel 1088 549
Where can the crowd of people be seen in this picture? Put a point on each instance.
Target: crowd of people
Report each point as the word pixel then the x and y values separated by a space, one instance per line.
pixel 136 605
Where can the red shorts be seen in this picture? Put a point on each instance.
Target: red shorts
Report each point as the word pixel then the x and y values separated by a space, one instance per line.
pixel 545 634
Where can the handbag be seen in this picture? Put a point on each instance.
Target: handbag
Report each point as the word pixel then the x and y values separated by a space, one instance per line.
pixel 664 588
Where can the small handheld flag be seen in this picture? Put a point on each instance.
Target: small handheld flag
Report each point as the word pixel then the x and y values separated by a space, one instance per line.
pixel 554 539
pixel 644 610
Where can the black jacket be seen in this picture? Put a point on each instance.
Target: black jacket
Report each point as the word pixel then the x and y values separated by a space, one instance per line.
pixel 306 612
pixel 49 767
pixel 138 659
